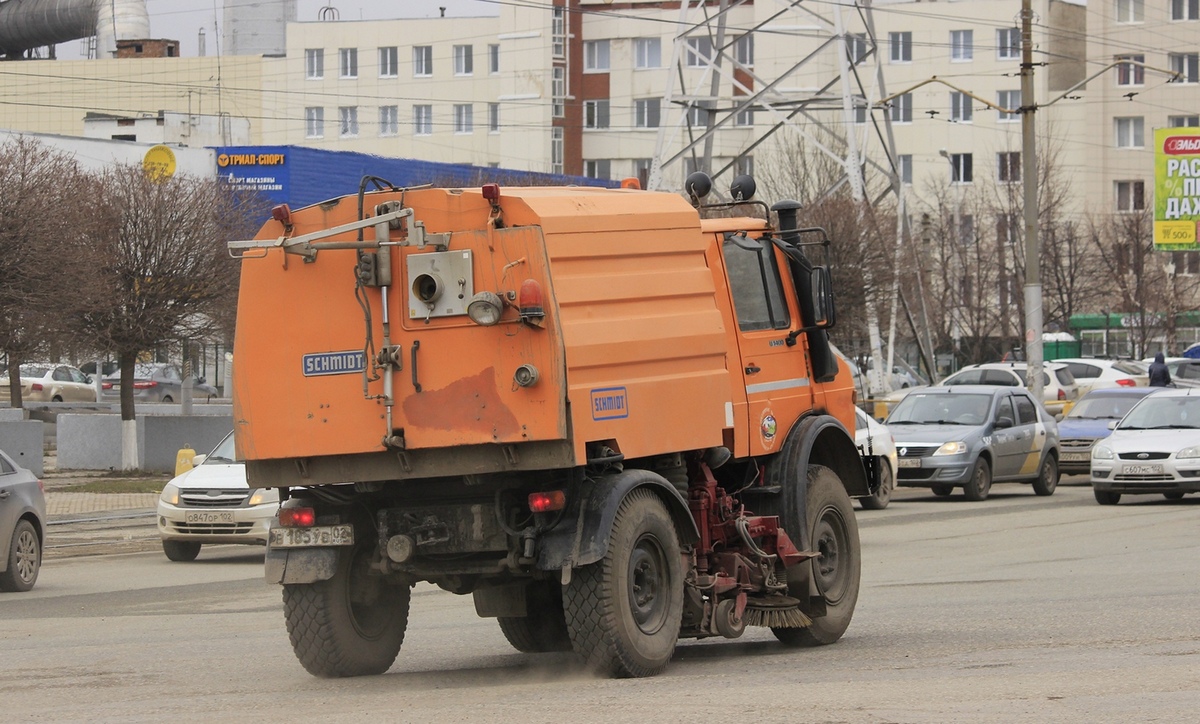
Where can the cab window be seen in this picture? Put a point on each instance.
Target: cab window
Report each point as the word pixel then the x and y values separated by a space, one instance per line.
pixel 1004 409
pixel 61 374
pixel 755 284
pixel 1000 377
pixel 1026 411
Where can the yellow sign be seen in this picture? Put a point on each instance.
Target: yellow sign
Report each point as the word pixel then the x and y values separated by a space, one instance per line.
pixel 159 163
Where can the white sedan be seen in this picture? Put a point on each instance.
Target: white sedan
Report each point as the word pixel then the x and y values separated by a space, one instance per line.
pixel 882 452
pixel 1154 449
pixel 212 503
pixel 1096 374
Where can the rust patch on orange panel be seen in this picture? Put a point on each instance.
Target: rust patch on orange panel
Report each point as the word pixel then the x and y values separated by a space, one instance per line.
pixel 470 405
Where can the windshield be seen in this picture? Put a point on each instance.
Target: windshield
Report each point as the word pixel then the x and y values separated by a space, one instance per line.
pixel 34 370
pixel 1129 367
pixel 959 409
pixel 1102 408
pixel 1163 413
pixel 223 453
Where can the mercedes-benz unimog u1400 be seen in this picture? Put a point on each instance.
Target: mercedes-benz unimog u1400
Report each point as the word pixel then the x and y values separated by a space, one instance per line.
pixel 610 416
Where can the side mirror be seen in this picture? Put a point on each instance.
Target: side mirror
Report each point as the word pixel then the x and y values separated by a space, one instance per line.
pixel 821 286
pixel 1058 417
pixel 88 378
pixel 1003 423
pixel 1112 424
pixel 199 459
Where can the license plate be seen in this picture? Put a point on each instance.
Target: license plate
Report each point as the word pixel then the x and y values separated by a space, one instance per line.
pixel 1075 457
pixel 209 516
pixel 322 535
pixel 908 463
pixel 1143 469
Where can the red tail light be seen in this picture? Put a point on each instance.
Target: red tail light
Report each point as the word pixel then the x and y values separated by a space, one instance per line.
pixel 144 385
pixel 36 387
pixel 1126 382
pixel 297 517
pixel 1062 394
pixel 548 501
pixel 106 385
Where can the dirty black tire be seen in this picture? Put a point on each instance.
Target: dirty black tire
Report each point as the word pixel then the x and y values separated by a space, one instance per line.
pixel 943 491
pixel 980 484
pixel 545 628
pixel 833 532
pixel 1105 497
pixel 1047 479
pixel 623 611
pixel 24 559
pixel 887 484
pixel 1173 496
pixel 181 551
pixel 167 399
pixel 350 625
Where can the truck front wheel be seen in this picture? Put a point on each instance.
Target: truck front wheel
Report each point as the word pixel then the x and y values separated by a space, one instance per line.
pixel 350 625
pixel 832 532
pixel 623 612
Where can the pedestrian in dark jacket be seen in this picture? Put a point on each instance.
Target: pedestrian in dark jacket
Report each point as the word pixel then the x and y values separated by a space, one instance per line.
pixel 1160 376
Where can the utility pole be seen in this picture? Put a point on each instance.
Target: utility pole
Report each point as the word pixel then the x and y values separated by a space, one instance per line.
pixel 1029 180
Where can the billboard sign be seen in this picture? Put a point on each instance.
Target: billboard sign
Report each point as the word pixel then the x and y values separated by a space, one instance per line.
pixel 1176 188
pixel 263 169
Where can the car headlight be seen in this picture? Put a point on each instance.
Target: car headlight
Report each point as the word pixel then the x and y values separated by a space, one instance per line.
pixel 170 495
pixel 1188 452
pixel 266 495
pixel 1102 452
pixel 952 448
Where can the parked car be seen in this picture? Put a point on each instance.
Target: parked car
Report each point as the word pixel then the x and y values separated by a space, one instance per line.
pixel 969 436
pixel 156 382
pixel 1185 371
pixel 212 503
pixel 902 376
pixel 1058 384
pixel 1090 420
pixel 875 443
pixel 1097 374
pixel 55 383
pixel 22 526
pixel 1154 449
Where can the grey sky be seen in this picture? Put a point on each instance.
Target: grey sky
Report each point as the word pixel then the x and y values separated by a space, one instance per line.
pixel 182 19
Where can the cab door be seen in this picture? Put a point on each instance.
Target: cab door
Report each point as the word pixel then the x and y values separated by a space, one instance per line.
pixel 1008 444
pixel 776 378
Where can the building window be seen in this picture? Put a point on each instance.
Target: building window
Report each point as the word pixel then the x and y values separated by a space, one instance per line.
pixel 464 119
pixel 600 168
pixel 697 115
pixel 646 112
pixel 558 35
pixel 1187 65
pixel 1183 121
pixel 556 150
pixel 962 45
pixel 558 91
pixel 641 169
pixel 493 59
pixel 464 60
pixel 348 62
pixel 389 120
pixel 900 47
pixel 856 47
pixel 314 63
pixel 699 50
pixel 743 51
pixel 1185 9
pixel 962 168
pixel 348 121
pixel 1008 43
pixel 902 108
pixel 1129 132
pixel 493 118
pixel 860 113
pixel 904 168
pixel 647 53
pixel 1131 195
pixel 1129 11
pixel 1008 167
pixel 1009 99
pixel 422 61
pixel 960 107
pixel 389 61
pixel 1006 229
pixel 743 165
pixel 1129 73
pixel 966 228
pixel 422 120
pixel 595 55
pixel 314 122
pixel 1186 262
pixel 744 117
pixel 595 114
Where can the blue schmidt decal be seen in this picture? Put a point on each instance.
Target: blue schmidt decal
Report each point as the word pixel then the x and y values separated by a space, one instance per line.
pixel 333 363
pixel 609 403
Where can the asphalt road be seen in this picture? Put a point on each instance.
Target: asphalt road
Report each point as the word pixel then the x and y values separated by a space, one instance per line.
pixel 1018 609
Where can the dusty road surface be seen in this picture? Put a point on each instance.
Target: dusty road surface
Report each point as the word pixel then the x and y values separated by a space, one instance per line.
pixel 1018 609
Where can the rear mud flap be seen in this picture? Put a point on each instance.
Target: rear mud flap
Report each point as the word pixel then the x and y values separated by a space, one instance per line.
pixel 300 565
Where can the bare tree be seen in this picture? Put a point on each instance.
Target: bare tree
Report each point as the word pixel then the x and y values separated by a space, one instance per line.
pixel 38 186
pixel 160 270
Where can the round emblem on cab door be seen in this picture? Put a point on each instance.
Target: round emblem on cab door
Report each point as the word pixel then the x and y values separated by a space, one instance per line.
pixel 768 428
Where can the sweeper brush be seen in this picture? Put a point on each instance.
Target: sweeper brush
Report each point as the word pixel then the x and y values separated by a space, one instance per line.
pixel 776 612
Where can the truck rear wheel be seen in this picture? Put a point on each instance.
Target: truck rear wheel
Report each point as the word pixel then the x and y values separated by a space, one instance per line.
pixel 545 626
pixel 623 611
pixel 832 532
pixel 350 625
